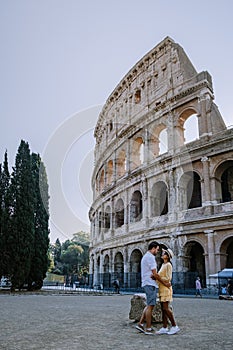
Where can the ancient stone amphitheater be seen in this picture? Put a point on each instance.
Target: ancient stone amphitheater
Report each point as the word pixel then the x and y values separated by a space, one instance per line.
pixel 163 171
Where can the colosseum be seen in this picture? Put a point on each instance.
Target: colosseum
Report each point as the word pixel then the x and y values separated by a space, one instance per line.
pixel 163 171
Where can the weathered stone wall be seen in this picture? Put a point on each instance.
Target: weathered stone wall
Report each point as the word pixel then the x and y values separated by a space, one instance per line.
pixel 160 93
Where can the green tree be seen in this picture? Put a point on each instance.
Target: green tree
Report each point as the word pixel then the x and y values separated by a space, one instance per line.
pixel 5 217
pixel 22 238
pixel 57 251
pixel 39 257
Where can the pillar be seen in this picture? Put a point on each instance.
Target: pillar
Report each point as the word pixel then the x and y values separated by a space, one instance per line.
pixel 206 198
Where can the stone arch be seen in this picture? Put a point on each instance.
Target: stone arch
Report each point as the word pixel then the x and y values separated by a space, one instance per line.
pixel 119 213
pixel 109 171
pixel 100 218
pixel 121 163
pixel 107 218
pixel 194 263
pixel 106 272
pixel 101 180
pixel 223 175
pixel 156 139
pixel 106 265
pixel 226 253
pixel 119 267
pixel 98 270
pixel 136 207
pixel 159 199
pixel 135 269
pixel 190 190
pixel 191 131
pixel 136 153
pixel 183 135
pixel 163 142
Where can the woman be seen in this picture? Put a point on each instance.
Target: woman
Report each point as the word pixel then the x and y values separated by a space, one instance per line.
pixel 165 294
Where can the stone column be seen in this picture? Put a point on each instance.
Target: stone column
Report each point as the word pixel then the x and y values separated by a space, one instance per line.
pixel 145 199
pixel 115 164
pixel 206 197
pixel 172 195
pixel 112 220
pixel 146 155
pixel 128 158
pixel 170 133
pixel 202 118
pixel 126 268
pixel 101 269
pixel 126 211
pixel 211 252
pixel 95 275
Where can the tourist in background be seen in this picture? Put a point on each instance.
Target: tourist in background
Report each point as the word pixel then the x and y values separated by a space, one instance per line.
pixel 198 287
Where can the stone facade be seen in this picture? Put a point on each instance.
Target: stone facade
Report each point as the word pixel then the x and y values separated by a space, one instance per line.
pixel 163 171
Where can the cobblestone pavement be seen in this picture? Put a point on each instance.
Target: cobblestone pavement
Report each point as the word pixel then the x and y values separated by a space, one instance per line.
pixel 49 321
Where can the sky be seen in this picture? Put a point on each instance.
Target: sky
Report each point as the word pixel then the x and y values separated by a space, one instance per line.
pixel 61 59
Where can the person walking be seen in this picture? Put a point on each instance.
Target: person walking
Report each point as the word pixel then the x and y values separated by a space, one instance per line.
pixel 116 284
pixel 198 287
pixel 149 268
pixel 165 294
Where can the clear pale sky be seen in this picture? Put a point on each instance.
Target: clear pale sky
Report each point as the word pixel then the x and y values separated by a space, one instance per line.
pixel 60 60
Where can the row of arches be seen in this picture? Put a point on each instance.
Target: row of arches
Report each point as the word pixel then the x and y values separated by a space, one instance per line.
pixel 193 260
pixel 132 155
pixel 189 194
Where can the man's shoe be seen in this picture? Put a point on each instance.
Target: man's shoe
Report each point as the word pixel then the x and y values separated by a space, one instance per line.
pixel 174 330
pixel 140 328
pixel 163 331
pixel 149 331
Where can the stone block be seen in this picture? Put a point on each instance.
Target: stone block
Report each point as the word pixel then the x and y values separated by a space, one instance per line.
pixel 138 303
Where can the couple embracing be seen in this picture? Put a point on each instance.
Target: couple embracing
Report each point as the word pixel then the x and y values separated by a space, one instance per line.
pixel 151 279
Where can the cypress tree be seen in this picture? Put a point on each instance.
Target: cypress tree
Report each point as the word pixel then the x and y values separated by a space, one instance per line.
pixel 57 251
pixel 5 217
pixel 39 258
pixel 21 239
pixel 1 231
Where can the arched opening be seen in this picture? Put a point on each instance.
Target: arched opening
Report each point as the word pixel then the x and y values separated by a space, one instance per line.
pixel 224 181
pixel 98 281
pixel 101 182
pixel 135 269
pixel 227 184
pixel 226 253
pixel 119 268
pixel 190 191
pixel 100 221
pixel 158 140
pixel 121 163
pixel 194 264
pixel 137 96
pixel 119 213
pixel 136 207
pixel 187 128
pixel 137 157
pixel 191 131
pixel 109 172
pixel 163 145
pixel 107 218
pixel 194 191
pixel 159 199
pixel 106 274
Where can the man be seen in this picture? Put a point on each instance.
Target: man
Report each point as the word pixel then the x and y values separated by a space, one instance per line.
pixel 148 269
pixel 198 287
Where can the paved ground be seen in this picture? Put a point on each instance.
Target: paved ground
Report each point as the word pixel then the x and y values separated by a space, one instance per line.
pixel 89 322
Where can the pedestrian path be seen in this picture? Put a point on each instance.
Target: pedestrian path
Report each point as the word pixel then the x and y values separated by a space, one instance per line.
pixel 51 321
